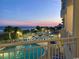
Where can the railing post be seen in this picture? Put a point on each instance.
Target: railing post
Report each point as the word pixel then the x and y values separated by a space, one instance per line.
pixel 24 53
pixel 37 52
pixel 3 56
pixel 9 54
pixel 77 45
pixel 49 45
pixel 15 54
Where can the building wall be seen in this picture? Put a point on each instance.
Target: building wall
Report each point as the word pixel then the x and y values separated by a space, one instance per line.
pixel 76 23
pixel 71 20
pixel 69 15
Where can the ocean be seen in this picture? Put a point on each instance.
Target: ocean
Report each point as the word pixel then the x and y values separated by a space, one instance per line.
pixel 22 27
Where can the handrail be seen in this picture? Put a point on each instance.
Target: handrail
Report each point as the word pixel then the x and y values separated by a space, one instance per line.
pixel 36 41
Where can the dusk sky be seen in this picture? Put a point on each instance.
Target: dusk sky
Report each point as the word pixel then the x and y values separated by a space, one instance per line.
pixel 30 12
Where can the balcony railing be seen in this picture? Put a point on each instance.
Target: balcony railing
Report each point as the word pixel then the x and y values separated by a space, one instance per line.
pixel 59 48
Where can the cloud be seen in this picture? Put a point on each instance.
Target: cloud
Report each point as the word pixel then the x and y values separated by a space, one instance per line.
pixel 30 23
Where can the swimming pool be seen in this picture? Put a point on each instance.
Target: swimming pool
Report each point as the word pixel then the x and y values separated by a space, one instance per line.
pixel 29 53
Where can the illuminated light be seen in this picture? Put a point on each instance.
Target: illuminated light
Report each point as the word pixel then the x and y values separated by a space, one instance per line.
pixel 0 54
pixel 18 32
pixel 49 32
pixel 59 35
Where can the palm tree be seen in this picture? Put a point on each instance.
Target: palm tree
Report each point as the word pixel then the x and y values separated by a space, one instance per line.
pixel 12 31
pixel 38 28
pixel 9 30
pixel 16 29
pixel 59 26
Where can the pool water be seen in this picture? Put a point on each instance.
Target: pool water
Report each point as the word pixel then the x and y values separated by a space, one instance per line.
pixel 29 53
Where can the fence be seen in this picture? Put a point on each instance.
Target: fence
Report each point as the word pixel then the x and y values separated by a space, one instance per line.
pixel 64 48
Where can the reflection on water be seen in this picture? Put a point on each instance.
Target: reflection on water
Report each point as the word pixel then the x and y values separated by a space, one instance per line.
pixel 29 52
